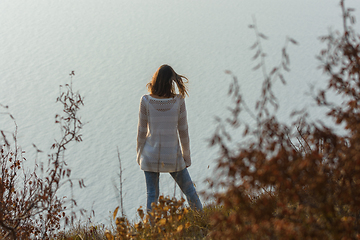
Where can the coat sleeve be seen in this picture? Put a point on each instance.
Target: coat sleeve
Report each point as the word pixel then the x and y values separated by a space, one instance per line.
pixel 142 128
pixel 184 133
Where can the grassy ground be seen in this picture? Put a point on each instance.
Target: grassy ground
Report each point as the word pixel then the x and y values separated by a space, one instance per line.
pixel 168 220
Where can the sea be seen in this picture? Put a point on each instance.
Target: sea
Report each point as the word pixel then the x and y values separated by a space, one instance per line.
pixel 115 46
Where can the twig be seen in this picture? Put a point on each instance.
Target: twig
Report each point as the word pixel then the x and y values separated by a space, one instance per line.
pixel 121 183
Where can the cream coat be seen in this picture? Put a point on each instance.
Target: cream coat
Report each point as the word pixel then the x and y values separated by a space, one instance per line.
pixel 162 123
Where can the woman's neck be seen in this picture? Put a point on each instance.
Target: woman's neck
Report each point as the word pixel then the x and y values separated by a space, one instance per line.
pixel 159 97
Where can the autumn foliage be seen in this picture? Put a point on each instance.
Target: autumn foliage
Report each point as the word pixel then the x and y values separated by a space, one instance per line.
pixel 300 180
pixel 297 180
pixel 30 207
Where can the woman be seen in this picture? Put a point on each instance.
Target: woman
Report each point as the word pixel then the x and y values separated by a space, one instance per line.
pixel 162 122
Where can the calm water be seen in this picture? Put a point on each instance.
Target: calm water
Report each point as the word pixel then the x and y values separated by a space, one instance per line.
pixel 114 47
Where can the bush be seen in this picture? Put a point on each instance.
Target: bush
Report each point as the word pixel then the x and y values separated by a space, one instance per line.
pixel 169 219
pixel 300 180
pixel 29 205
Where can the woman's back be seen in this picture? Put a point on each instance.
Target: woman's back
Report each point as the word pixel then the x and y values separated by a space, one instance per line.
pixel 162 122
pixel 163 114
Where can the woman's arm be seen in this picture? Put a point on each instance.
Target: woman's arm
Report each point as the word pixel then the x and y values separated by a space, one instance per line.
pixel 184 133
pixel 142 126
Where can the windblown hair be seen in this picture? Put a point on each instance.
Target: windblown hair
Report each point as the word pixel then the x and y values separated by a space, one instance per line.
pixel 162 83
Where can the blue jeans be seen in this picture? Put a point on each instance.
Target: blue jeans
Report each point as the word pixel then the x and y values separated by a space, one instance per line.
pixel 182 178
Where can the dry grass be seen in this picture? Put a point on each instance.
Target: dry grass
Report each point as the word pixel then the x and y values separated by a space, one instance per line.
pixel 169 219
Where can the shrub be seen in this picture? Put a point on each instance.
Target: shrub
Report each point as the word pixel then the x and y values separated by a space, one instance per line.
pixel 29 205
pixel 300 180
pixel 169 219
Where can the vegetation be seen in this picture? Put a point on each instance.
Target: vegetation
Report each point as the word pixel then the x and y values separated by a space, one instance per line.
pixel 298 181
pixel 29 205
pixel 284 181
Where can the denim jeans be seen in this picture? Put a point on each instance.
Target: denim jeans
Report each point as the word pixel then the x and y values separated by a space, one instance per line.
pixel 183 180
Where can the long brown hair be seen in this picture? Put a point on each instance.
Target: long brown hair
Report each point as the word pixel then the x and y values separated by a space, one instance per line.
pixel 162 84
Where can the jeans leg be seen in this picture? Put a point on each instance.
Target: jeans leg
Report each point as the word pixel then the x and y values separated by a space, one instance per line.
pixel 152 188
pixel 183 179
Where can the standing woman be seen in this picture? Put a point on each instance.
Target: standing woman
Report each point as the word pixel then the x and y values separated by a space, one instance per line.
pixel 162 122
